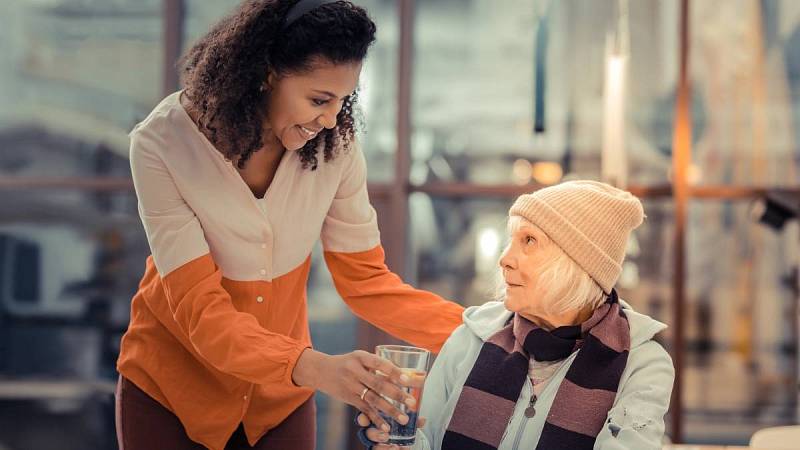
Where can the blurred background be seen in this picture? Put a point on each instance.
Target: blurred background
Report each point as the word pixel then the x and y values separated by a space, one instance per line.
pixel 692 105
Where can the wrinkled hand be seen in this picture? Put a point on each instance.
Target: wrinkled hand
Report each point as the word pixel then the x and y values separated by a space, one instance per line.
pixel 344 377
pixel 379 436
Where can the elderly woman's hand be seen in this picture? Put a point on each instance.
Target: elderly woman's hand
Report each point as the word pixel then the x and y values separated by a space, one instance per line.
pixel 361 379
pixel 378 436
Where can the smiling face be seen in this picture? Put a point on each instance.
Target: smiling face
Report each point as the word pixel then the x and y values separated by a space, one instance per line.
pixel 301 105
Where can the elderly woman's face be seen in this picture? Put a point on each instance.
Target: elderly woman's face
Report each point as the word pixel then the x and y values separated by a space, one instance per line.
pixel 528 251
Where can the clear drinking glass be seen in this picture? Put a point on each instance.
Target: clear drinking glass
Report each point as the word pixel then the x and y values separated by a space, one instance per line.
pixel 413 362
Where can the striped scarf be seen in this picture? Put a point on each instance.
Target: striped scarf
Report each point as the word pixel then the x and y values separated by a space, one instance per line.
pixel 582 401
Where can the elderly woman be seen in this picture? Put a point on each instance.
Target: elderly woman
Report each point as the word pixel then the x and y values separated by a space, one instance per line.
pixel 560 362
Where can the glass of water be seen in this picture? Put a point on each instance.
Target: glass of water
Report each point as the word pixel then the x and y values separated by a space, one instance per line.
pixel 414 363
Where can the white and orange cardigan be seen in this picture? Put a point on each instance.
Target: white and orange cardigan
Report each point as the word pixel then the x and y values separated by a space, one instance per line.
pixel 220 317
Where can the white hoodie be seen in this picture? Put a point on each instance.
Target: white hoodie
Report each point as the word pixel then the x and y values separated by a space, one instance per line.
pixel 636 421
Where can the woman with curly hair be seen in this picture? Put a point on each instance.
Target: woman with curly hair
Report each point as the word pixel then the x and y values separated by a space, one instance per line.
pixel 237 176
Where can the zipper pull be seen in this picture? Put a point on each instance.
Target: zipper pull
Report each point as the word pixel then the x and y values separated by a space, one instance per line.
pixel 530 411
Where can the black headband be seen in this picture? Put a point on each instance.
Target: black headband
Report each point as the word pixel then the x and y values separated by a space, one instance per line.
pixel 302 7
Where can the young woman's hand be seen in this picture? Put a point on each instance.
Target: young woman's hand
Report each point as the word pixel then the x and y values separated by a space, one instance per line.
pixel 358 378
pixel 379 436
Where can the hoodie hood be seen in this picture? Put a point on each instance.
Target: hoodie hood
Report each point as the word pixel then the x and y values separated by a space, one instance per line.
pixel 489 318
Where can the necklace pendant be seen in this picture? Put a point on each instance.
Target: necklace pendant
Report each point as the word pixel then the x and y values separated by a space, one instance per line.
pixel 530 411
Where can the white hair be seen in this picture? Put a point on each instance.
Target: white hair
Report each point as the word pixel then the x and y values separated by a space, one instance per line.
pixel 564 285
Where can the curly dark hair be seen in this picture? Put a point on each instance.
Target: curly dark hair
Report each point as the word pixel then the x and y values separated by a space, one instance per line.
pixel 223 71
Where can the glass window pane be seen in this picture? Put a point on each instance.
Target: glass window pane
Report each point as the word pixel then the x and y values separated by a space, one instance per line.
pixel 70 263
pixel 201 15
pixel 745 62
pixel 378 82
pixel 454 245
pixel 646 282
pixel 378 91
pixel 741 335
pixel 75 76
pixel 485 78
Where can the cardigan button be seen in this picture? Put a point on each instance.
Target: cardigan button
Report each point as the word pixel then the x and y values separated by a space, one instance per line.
pixel 263 271
pixel 260 299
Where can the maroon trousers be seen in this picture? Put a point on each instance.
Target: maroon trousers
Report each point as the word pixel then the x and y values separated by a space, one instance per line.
pixel 144 424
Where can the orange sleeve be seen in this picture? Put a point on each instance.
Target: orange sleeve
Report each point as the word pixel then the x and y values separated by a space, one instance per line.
pixel 380 297
pixel 231 341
